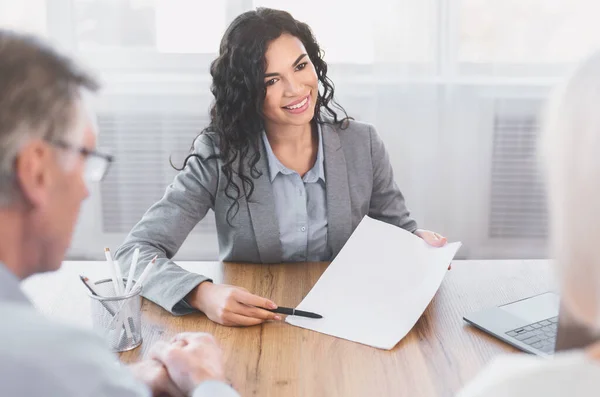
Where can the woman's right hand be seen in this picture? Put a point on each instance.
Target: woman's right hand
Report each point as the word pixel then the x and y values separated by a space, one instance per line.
pixel 230 305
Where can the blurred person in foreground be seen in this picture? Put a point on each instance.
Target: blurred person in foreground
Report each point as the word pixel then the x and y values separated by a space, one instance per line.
pixel 570 150
pixel 47 157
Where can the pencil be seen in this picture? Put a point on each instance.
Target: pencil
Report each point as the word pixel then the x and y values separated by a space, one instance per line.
pixel 144 275
pixel 134 261
pixel 118 285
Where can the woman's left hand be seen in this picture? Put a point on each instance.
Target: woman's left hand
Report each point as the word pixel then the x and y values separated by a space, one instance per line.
pixel 432 238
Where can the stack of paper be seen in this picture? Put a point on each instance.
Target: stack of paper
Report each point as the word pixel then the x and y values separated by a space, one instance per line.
pixel 377 287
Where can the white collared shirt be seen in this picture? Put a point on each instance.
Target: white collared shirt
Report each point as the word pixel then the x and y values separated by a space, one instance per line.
pixel 569 374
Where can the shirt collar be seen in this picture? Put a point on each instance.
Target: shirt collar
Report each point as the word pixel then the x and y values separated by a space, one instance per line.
pixel 275 166
pixel 10 286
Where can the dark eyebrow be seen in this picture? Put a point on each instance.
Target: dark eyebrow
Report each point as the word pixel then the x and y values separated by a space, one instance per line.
pixel 296 62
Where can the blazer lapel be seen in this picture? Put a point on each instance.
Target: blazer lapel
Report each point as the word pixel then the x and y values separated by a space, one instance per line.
pixel 339 212
pixel 261 207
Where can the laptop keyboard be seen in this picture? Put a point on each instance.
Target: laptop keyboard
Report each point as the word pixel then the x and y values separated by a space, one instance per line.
pixel 540 335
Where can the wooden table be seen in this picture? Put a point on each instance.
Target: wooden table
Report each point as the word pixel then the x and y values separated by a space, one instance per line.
pixel 436 358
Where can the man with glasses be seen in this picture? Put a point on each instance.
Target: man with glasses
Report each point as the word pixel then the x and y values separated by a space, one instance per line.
pixel 47 156
pixel 96 165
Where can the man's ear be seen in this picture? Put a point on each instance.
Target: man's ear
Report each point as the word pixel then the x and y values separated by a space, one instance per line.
pixel 33 172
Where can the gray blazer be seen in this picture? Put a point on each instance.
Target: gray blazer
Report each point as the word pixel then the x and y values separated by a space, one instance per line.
pixel 359 182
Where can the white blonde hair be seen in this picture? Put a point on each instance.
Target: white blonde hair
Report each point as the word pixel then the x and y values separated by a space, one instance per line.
pixel 570 151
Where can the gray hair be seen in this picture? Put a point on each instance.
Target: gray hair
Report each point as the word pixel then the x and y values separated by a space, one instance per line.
pixel 570 149
pixel 40 94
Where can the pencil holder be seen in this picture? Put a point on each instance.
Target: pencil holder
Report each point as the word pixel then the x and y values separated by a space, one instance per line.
pixel 117 319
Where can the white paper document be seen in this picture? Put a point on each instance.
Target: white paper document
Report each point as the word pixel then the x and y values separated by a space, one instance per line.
pixel 377 287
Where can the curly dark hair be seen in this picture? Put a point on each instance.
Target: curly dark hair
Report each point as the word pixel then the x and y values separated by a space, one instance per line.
pixel 236 115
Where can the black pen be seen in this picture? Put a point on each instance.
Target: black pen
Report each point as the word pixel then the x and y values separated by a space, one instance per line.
pixel 293 312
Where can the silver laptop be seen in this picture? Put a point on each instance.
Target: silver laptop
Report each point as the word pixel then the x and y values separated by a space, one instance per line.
pixel 533 325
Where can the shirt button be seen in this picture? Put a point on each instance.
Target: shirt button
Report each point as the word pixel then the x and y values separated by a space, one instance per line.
pixel 303 228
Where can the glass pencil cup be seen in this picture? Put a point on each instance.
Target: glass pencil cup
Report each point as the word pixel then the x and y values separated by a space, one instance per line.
pixel 118 319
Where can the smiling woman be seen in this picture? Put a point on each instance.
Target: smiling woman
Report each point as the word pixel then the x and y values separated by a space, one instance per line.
pixel 288 174
pixel 297 80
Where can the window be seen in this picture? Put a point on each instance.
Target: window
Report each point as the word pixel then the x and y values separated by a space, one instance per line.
pixel 161 26
pixel 105 24
pixel 527 33
pixel 366 32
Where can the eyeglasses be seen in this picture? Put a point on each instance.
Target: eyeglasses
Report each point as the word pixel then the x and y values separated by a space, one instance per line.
pixel 97 163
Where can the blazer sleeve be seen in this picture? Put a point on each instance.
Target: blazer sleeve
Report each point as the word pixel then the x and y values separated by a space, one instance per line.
pixel 387 202
pixel 165 226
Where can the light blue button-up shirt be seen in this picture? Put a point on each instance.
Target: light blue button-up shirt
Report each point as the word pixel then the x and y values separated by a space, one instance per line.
pixel 301 205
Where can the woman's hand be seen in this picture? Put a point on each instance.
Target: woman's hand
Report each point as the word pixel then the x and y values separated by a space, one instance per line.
pixel 432 238
pixel 230 305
